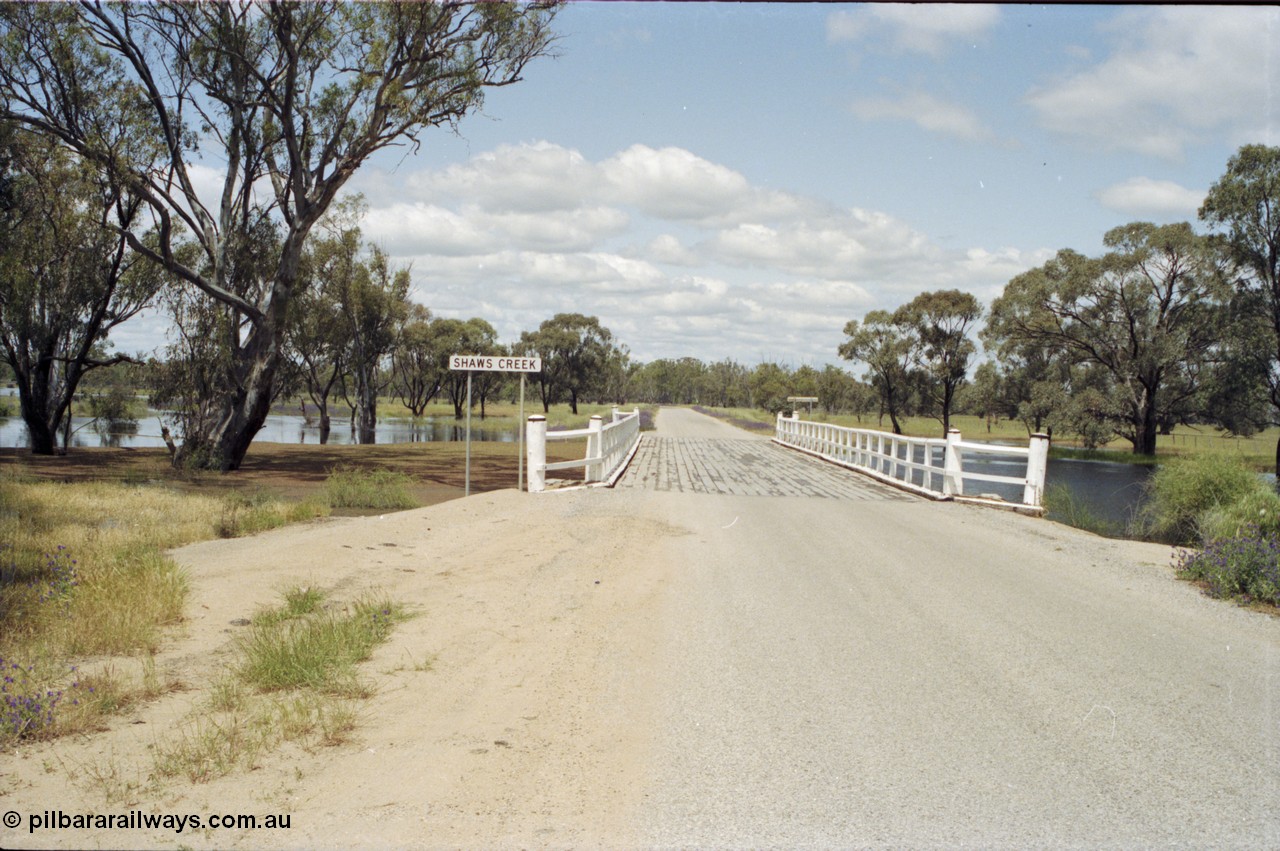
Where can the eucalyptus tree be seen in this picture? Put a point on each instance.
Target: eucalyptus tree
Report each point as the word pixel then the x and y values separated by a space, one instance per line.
pixel 1245 203
pixel 887 346
pixel 770 385
pixel 317 342
pixel 576 351
pixel 415 363
pixel 67 277
pixel 371 302
pixel 277 104
pixel 941 322
pixel 1149 313
pixel 725 384
pixel 473 336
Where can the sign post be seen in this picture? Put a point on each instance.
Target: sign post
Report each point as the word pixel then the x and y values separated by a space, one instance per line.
pixel 809 399
pixel 495 363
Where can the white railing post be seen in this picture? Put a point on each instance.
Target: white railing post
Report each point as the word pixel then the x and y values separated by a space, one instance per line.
pixel 952 470
pixel 536 440
pixel 617 415
pixel 595 448
pixel 1037 466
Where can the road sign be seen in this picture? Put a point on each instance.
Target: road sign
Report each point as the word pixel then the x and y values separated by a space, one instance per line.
pixel 494 363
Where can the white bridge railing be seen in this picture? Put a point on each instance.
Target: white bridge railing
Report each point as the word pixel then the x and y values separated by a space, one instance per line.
pixel 609 447
pixel 930 466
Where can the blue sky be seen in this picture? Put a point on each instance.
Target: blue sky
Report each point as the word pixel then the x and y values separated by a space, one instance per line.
pixel 740 180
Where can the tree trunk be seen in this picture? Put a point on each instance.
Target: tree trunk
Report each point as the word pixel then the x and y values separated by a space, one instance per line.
pixel 224 444
pixel 325 425
pixel 366 412
pixel 1148 429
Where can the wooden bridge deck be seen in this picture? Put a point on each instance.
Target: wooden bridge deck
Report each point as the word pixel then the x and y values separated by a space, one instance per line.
pixel 743 467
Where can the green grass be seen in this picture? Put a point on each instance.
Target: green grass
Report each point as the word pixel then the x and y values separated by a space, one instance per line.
pixel 84 573
pixel 294 679
pixel 319 651
pixel 1184 491
pixel 351 487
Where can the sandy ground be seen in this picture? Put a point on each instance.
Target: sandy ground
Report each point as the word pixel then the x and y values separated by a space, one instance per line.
pixel 635 669
pixel 526 727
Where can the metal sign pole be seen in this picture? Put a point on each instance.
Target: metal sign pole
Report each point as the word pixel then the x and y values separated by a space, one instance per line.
pixel 467 491
pixel 520 444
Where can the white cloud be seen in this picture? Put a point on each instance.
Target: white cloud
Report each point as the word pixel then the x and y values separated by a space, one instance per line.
pixel 676 254
pixel 1176 75
pixel 927 112
pixel 915 28
pixel 1142 196
pixel 531 178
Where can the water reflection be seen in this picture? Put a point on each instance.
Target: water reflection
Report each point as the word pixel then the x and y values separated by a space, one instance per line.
pixel 281 428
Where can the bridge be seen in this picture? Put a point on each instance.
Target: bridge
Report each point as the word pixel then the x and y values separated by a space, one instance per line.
pixel 693 456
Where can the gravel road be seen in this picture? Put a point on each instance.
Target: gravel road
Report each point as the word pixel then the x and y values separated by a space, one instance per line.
pixel 893 673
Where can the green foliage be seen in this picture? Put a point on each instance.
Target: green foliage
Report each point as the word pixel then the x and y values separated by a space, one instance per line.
pixel 887 346
pixel 1245 203
pixel 1182 492
pixel 770 386
pixel 577 352
pixel 387 72
pixel 351 487
pixel 1144 320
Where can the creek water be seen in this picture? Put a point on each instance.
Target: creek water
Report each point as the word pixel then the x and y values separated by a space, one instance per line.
pixel 279 428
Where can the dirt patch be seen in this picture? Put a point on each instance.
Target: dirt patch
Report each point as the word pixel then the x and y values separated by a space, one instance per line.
pixel 297 471
pixel 511 709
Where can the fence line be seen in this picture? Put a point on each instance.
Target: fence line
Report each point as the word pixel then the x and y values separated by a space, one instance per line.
pixel 609 447
pixel 916 463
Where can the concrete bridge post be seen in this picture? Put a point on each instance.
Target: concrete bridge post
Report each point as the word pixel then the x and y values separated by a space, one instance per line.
pixel 1037 467
pixel 952 471
pixel 536 440
pixel 595 448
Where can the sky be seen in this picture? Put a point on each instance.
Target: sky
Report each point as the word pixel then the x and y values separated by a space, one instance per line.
pixel 741 180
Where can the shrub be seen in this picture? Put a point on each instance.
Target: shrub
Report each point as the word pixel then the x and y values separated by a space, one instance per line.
pixel 1244 565
pixel 1259 508
pixel 1183 491
pixel 349 487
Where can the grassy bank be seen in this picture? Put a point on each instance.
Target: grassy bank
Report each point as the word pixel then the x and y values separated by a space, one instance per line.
pixel 84 574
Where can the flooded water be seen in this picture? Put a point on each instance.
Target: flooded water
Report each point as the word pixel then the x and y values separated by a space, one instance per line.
pixel 281 428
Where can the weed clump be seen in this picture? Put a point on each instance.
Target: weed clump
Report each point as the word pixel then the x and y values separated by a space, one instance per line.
pixel 1185 491
pixel 351 487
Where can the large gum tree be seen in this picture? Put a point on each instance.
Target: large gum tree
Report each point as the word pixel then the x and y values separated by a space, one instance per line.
pixel 245 113
pixel 1245 204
